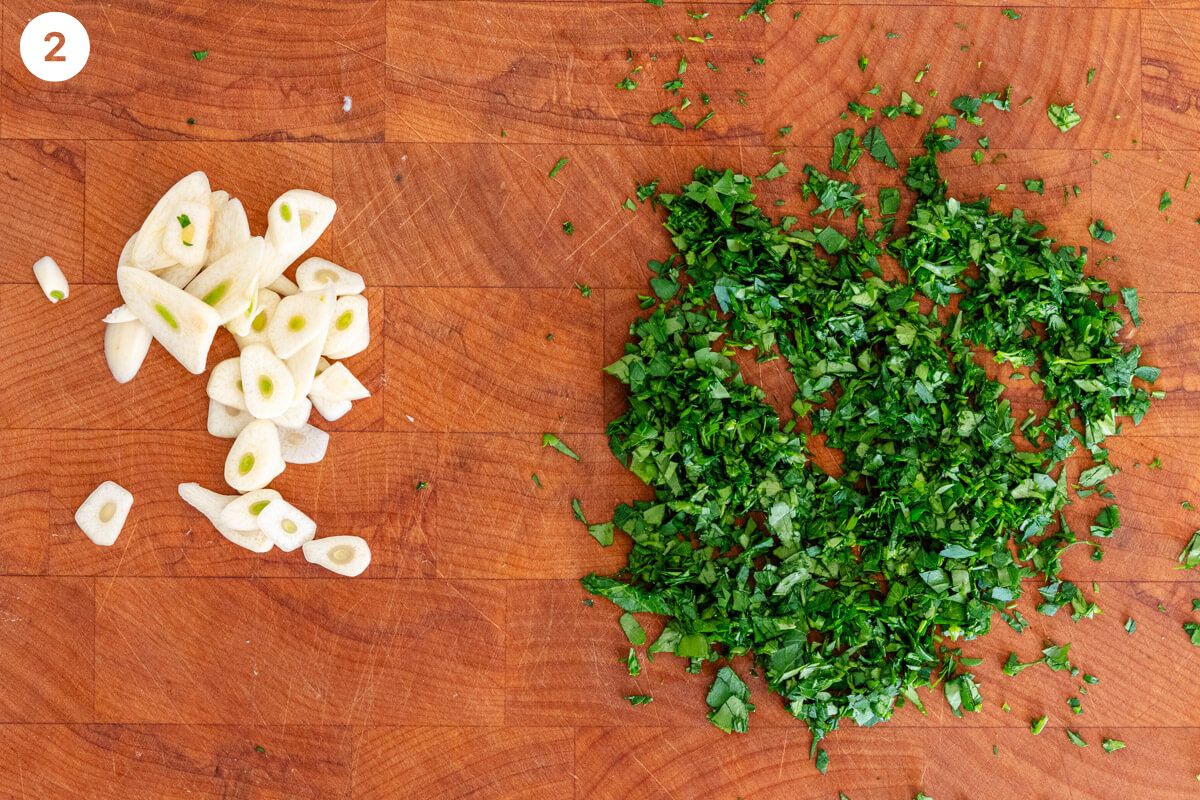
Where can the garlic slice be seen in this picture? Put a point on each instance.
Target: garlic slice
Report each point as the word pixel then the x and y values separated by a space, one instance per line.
pixel 51 279
pixel 256 333
pixel 102 515
pixel 225 384
pixel 226 422
pixel 285 525
pixel 230 227
pixel 178 275
pixel 186 237
pixel 303 366
pixel 330 408
pixel 349 330
pixel 254 460
pixel 182 324
pixel 295 221
pixel 230 285
pixel 283 286
pixel 125 347
pixel 210 504
pixel 266 382
pixel 296 415
pixel 119 314
pixel 303 445
pixel 298 320
pixel 241 513
pixel 315 273
pixel 345 555
pixel 338 382
pixel 149 250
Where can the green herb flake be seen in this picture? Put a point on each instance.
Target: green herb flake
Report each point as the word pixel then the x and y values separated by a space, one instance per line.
pixel 1091 74
pixel 666 117
pixel 729 702
pixel 1164 202
pixel 1075 738
pixel 1063 117
pixel 199 55
pixel 632 664
pixel 634 631
pixel 828 37
pixel 568 227
pixel 550 440
pixel 1038 725
pixel 1100 233
pixel 558 166
pixel 1011 14
pixel 1112 745
pixel 1035 185
pixel 862 63
pixel 774 173
pixel 639 699
pixel 1130 625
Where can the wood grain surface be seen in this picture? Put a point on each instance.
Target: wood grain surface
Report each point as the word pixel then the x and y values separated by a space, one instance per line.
pixel 463 664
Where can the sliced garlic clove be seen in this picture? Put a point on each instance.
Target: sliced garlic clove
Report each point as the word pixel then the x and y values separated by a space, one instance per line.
pixel 51 279
pixel 149 251
pixel 296 416
pixel 225 384
pixel 298 320
pixel 285 525
pixel 119 314
pixel 230 285
pixel 242 513
pixel 315 273
pixel 178 275
pixel 284 286
pixel 339 382
pixel 266 382
pixel 186 237
pixel 349 330
pixel 225 422
pixel 303 366
pixel 102 515
pixel 264 307
pixel 303 445
pixel 182 324
pixel 330 408
pixel 126 257
pixel 254 460
pixel 294 223
pixel 230 227
pixel 345 555
pixel 210 504
pixel 125 347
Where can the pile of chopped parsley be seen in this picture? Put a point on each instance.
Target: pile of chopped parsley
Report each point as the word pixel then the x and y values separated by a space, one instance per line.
pixel 850 588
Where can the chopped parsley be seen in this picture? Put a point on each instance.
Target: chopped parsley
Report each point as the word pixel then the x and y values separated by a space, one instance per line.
pixel 568 227
pixel 666 117
pixel 1063 117
pixel 558 166
pixel 1011 14
pixel 550 440
pixel 199 55
pixel 1035 185
pixel 1164 202
pixel 828 37
pixel 1100 233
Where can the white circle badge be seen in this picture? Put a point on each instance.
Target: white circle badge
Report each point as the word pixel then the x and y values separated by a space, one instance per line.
pixel 55 46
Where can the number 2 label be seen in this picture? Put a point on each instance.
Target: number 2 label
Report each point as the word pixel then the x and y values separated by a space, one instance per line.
pixel 60 40
pixel 54 46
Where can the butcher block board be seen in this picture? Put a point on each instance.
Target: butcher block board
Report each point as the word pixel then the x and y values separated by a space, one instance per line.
pixel 463 664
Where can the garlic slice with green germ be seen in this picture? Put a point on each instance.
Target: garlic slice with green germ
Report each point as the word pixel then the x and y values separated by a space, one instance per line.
pixel 51 279
pixel 298 320
pixel 285 525
pixel 242 513
pixel 349 330
pixel 315 273
pixel 254 460
pixel 225 384
pixel 296 415
pixel 256 333
pixel 226 422
pixel 186 238
pixel 266 382
pixel 303 445
pixel 230 285
pixel 125 346
pixel 294 223
pixel 283 286
pixel 230 227
pixel 210 504
pixel 102 515
pixel 182 324
pixel 345 555
pixel 149 251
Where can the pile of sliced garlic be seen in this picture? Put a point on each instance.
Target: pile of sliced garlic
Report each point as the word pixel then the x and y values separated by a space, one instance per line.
pixel 194 268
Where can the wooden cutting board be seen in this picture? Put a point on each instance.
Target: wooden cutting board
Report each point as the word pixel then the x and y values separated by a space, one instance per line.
pixel 463 663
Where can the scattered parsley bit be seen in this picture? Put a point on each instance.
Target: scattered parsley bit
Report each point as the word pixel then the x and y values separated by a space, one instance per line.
pixel 1076 706
pixel 1193 632
pixel 822 761
pixel 568 227
pixel 700 123
pixel 199 55
pixel 632 664
pixel 1130 625
pixel 1164 202
pixel 1190 557
pixel 1075 738
pixel 550 440
pixel 1035 185
pixel 891 35
pixel 558 166
pixel 634 631
pixel 1112 745
pixel 862 63
pixel 627 83
pixel 785 130
pixel 584 289
pixel 877 147
pixel 1091 73
pixel 629 205
pixel 536 480
pixel 191 120
pixel 775 172
pixel 828 37
pixel 639 699
pixel 757 8
pixel 729 701
pixel 666 117
pixel 1063 117
pixel 1100 233
pixel 258 748
pixel 1011 14
pixel 1038 725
